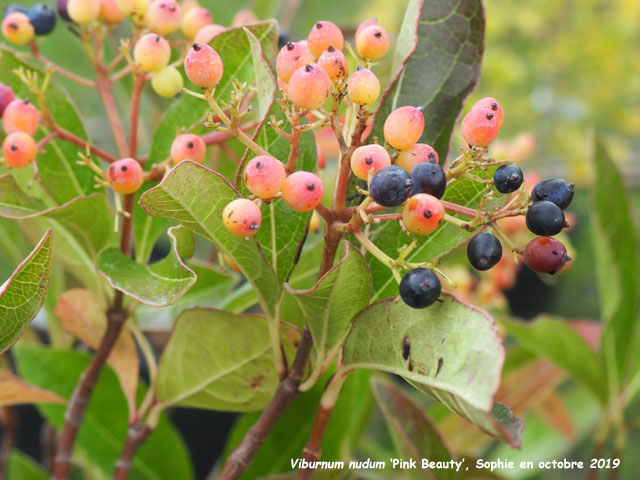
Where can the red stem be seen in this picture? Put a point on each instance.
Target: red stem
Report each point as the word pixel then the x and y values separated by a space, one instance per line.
pixel 136 436
pixel 139 80
pixel 313 448
pixel 47 139
pixel 71 138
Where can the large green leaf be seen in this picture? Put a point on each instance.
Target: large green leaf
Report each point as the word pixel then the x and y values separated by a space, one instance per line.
pixel 104 427
pixel 196 196
pixel 21 467
pixel 450 351
pixel 441 54
pixel 22 295
pixel 218 360
pixel 146 229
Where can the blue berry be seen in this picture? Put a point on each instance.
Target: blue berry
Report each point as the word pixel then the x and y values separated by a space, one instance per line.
pixel 428 178
pixel 14 7
pixel 484 251
pixel 556 190
pixel 545 218
pixel 390 186
pixel 508 178
pixel 43 18
pixel 420 288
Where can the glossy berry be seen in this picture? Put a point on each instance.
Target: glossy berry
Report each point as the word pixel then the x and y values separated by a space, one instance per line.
pixel 43 18
pixel 302 191
pixel 334 63
pixel 429 178
pixel 322 36
pixel 493 105
pixel 422 214
pixel 194 20
pixel 420 288
pixel 21 116
pixel 369 159
pixel 545 218
pixel 83 11
pixel 203 66
pixel 309 87
pixel 19 149
pixel 17 28
pixel 207 33
pixel 111 12
pixel 62 10
pixel 290 58
pixel 363 87
pixel 188 147
pixel 479 127
pixel 390 186
pixel 556 190
pixel 164 16
pixel 242 217
pixel 484 251
pixel 508 178
pixel 365 24
pixel 168 82
pixel 403 127
pixel 545 255
pixel 14 7
pixel 419 153
pixel 152 52
pixel 125 176
pixel 372 43
pixel 6 97
pixel 264 176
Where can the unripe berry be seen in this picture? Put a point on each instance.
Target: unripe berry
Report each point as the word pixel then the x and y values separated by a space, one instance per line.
pixel 390 186
pixel 242 217
pixel 207 33
pixel 315 222
pixel 187 5
pixel 365 24
pixel 111 12
pixel 167 82
pixel 420 288
pixel 545 255
pixel 493 105
pixel 17 28
pixel 322 36
pixel 508 178
pixel 6 97
pixel 134 7
pixel 194 20
pixel 372 43
pixel 19 149
pixel 163 16
pixel 419 153
pixel 484 251
pixel 203 66
pixel 363 87
pixel 302 191
pixel 429 178
pixel 188 147
pixel 545 218
pixel 152 52
pixel 422 214
pixel 125 176
pixel 403 127
pixel 369 159
pixel 264 176
pixel 290 58
pixel 334 63
pixel 479 127
pixel 21 116
pixel 309 87
pixel 243 17
pixel 556 190
pixel 43 18
pixel 83 11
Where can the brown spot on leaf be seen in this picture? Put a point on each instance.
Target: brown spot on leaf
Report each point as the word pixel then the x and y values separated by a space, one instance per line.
pixel 440 363
pixel 406 348
pixel 256 382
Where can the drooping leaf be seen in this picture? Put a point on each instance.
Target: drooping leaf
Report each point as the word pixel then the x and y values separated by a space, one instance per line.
pixel 21 467
pixel 450 351
pixel 22 295
pixel 15 391
pixel 159 284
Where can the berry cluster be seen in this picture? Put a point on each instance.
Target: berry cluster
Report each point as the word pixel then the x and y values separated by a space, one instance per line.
pixel 20 120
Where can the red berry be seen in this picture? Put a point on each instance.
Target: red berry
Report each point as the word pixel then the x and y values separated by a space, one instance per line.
pixel 420 152
pixel 207 33
pixel 545 255
pixel 152 52
pixel 334 63
pixel 372 43
pixel 6 97
pixel 164 16
pixel 194 20
pixel 125 176
pixel 309 87
pixel 264 176
pixel 188 147
pixel 19 149
pixel 203 66
pixel 322 36
pixel 403 127
pixel 111 12
pixel 242 217
pixel 290 58
pixel 493 105
pixel 368 159
pixel 83 11
pixel 302 191
pixel 479 127
pixel 365 24
pixel 363 87
pixel 17 28
pixel 422 213
pixel 21 116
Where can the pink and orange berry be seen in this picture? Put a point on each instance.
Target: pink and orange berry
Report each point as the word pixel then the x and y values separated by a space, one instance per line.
pixel 83 11
pixel 264 176
pixel 368 159
pixel 302 191
pixel 125 176
pixel 372 43
pixel 367 23
pixel 19 149
pixel 479 127
pixel 111 12
pixel 334 63
pixel 403 127
pixel 363 87
pixel 420 152
pixel 152 52
pixel 203 66
pixel 21 116
pixel 309 87
pixel 6 97
pixel 208 33
pixel 194 20
pixel 17 28
pixel 422 213
pixel 164 16
pixel 188 147
pixel 290 58
pixel 242 217
pixel 322 36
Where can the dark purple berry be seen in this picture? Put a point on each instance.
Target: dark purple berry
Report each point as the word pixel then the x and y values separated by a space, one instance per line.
pixel 556 190
pixel 14 7
pixel 43 18
pixel 545 218
pixel 508 178
pixel 428 178
pixel 484 251
pixel 420 288
pixel 62 10
pixel 390 186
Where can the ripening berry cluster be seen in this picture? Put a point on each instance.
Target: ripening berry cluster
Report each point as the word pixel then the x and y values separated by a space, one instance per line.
pixel 20 25
pixel 20 120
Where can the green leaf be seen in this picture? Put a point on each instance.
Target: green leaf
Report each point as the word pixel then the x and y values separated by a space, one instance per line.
pixel 196 196
pixel 158 285
pixel 450 351
pixel 442 55
pixel 105 423
pixel 414 434
pixel 22 467
pixel 556 341
pixel 23 294
pixel 218 360
pixel 146 229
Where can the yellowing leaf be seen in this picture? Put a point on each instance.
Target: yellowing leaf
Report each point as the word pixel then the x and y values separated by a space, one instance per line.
pixel 15 391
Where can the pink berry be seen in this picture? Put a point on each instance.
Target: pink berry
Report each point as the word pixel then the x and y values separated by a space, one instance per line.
pixel 420 152
pixel 83 11
pixel 264 176
pixel 125 176
pixel 242 217
pixel 19 149
pixel 545 255
pixel 363 87
pixel 365 24
pixel 17 28
pixel 334 63
pixel 480 127
pixel 302 191
pixel 372 43
pixel 368 159
pixel 207 33
pixel 6 97
pixel 21 116
pixel 152 52
pixel 403 127
pixel 290 58
pixel 309 87
pixel 322 36
pixel 188 147
pixel 493 105
pixel 111 12
pixel 422 213
pixel 194 20
pixel 203 66
pixel 164 17
pixel 243 17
